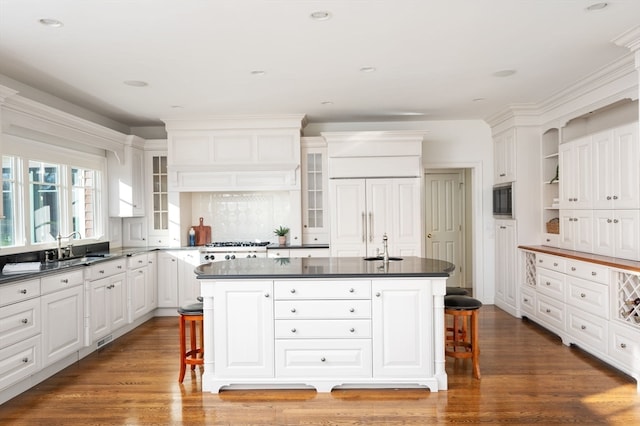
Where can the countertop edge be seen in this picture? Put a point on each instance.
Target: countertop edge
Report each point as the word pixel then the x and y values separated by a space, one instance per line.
pixel 612 262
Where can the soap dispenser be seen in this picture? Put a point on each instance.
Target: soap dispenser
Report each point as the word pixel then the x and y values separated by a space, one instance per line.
pixel 192 237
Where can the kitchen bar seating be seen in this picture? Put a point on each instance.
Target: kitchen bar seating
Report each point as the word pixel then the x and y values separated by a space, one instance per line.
pixel 195 355
pixel 461 338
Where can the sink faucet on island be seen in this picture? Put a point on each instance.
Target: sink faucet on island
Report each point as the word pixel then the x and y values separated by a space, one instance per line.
pixel 324 323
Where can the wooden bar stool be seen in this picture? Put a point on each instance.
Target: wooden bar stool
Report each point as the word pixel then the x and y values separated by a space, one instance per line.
pixel 195 355
pixel 461 339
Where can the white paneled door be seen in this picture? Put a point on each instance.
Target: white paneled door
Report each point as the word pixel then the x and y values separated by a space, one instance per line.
pixel 444 221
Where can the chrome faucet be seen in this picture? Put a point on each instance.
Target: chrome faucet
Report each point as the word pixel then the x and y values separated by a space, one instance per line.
pixel 69 247
pixel 385 254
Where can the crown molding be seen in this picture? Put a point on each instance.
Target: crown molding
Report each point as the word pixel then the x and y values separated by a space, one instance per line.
pixel 238 122
pixel 6 93
pixel 629 39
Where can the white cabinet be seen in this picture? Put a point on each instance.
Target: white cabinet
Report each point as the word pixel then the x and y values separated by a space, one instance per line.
pixel 167 270
pixel 505 264
pixel 141 289
pixel 126 180
pixel 550 184
pixel 576 230
pixel 363 210
pixel 616 154
pixel 108 305
pixel 315 196
pixel 504 161
pixel 188 283
pixel 401 330
pixel 309 252
pixel 616 233
pixel 276 252
pixel 243 329
pixel 19 361
pixel 62 305
pixel 576 174
pixel 157 191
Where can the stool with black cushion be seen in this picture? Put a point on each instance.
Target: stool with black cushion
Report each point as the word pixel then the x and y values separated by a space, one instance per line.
pixel 193 314
pixel 462 336
pixel 456 291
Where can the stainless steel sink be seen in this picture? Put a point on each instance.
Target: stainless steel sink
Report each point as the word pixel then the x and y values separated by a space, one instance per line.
pixel 395 259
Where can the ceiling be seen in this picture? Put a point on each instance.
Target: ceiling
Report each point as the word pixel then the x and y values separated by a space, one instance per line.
pixel 431 59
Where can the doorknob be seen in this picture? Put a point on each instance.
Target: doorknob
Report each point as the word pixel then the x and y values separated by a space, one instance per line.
pixel 428 235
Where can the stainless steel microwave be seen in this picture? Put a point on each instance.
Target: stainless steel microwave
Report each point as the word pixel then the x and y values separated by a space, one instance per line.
pixel 503 200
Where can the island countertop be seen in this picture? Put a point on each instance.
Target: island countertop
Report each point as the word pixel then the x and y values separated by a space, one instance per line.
pixel 323 267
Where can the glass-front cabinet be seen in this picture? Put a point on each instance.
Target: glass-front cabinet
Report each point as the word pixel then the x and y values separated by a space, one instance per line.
pixel 158 218
pixel 315 229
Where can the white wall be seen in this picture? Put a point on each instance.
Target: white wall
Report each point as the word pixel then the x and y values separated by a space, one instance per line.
pixel 452 144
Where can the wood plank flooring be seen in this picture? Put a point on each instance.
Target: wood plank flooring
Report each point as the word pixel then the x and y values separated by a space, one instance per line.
pixel 528 377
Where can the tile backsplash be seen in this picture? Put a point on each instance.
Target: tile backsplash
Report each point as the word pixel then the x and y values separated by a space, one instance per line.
pixel 240 216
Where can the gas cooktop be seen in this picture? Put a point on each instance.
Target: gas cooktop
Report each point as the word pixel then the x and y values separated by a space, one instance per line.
pixel 238 244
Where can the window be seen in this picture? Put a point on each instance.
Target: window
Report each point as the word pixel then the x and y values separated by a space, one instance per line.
pixel 8 225
pixel 44 194
pixel 83 202
pixel 160 201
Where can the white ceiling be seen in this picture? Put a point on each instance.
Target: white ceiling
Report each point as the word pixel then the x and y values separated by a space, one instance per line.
pixel 433 59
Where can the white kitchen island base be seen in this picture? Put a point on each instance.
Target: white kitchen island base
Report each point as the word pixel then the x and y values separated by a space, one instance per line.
pixel 360 332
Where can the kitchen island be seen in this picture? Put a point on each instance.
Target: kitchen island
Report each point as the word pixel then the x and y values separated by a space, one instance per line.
pixel 324 322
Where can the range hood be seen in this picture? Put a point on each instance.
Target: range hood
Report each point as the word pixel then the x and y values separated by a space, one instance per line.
pixel 234 154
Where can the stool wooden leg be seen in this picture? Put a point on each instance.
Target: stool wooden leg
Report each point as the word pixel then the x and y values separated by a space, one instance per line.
pixel 475 346
pixel 192 336
pixel 202 340
pixel 183 349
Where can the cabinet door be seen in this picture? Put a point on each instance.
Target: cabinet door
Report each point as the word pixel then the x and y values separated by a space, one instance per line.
pixel 167 270
pixel 243 329
pixel 625 170
pixel 380 207
pixel 576 230
pixel 100 315
pixel 126 183
pixel 139 289
pixel 188 284
pixel 576 171
pixel 627 234
pixel 117 298
pixel 506 262
pixel 603 232
pixel 407 234
pixel 315 207
pixel 401 329
pixel 348 217
pixel 505 158
pixel 603 164
pixel 62 328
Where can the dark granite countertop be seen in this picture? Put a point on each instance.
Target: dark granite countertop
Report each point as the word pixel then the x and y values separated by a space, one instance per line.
pixel 323 267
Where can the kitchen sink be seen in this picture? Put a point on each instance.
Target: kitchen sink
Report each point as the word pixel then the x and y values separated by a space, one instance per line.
pixel 381 258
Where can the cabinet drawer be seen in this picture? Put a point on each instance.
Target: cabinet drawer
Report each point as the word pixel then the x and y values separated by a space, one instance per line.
pixel 19 361
pixel 323 358
pixel 323 252
pixel 322 309
pixel 551 283
pixel 551 240
pixel 547 261
pixel 105 269
pixel 23 290
pixel 624 346
pixel 323 329
pixel 588 296
pixel 587 329
pixel 19 321
pixel 322 290
pixel 550 312
pixel 57 282
pixel 138 261
pixel 588 271
pixel 528 301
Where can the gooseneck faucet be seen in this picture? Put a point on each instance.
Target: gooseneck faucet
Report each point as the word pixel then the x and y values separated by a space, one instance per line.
pixel 385 254
pixel 60 237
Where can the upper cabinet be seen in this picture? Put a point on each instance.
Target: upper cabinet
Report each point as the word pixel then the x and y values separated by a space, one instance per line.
pixel 576 174
pixel 157 192
pixel 126 180
pixel 504 157
pixel 315 188
pixel 616 158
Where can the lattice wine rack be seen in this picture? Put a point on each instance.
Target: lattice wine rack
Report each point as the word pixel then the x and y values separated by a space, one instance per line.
pixel 530 269
pixel 629 298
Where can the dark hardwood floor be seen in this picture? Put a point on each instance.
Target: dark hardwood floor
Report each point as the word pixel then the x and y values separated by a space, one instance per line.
pixel 528 377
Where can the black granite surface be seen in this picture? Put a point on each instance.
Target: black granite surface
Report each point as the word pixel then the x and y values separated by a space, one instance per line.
pixel 323 267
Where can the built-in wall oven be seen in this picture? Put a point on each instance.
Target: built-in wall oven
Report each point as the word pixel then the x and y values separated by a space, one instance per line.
pixel 225 250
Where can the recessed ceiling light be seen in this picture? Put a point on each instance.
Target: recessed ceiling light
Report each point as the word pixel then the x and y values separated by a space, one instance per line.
pixel 258 72
pixel 320 15
pixel 326 103
pixel 478 99
pixel 176 106
pixel 136 83
pixel 368 69
pixel 48 22
pixel 596 6
pixel 504 73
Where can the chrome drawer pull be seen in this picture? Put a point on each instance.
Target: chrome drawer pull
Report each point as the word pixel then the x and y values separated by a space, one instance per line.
pixel 378 294
pixel 64 281
pixel 293 290
pixel 293 310
pixel 352 329
pixel 352 310
pixel 23 291
pixel 119 266
pixel 583 295
pixel 351 290
pixel 555 264
pixel 593 274
pixel 623 345
pixel 323 359
pixel 293 330
pixel 548 311
pixel 548 283
pixel 583 327
pixel 25 360
pixel 573 268
pixel 25 321
pixel 101 271
pixel 266 295
pixel 526 300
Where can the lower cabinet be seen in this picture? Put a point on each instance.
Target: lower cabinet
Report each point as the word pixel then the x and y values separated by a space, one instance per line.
pixel 19 361
pixel 63 323
pixel 505 264
pixel 167 270
pixel 572 298
pixel 142 291
pixel 108 305
pixel 322 333
pixel 188 283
